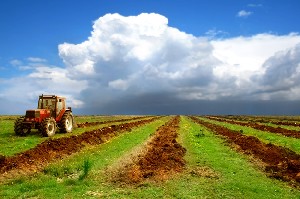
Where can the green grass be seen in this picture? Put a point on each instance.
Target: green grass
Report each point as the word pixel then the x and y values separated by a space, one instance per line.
pixel 213 170
pixel 101 118
pixel 264 136
pixel 268 121
pixel 62 179
pixel 237 178
pixel 12 144
pixel 295 128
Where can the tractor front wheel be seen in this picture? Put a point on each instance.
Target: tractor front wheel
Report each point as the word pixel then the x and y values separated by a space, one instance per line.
pixel 19 128
pixel 66 123
pixel 48 127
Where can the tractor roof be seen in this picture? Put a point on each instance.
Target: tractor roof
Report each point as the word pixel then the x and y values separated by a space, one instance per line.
pixel 51 97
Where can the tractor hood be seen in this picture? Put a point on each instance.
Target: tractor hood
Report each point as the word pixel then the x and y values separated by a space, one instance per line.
pixel 36 113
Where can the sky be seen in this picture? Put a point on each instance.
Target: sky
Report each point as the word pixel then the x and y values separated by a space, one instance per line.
pixel 152 57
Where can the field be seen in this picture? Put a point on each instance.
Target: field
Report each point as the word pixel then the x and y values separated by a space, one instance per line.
pixel 126 156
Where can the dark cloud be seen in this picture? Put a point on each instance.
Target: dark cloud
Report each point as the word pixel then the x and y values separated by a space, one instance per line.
pixel 167 103
pixel 282 74
pixel 283 68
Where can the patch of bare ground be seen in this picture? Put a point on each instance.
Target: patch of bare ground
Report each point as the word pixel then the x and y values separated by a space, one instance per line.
pixel 203 171
pixel 161 157
pixel 280 162
pixel 38 157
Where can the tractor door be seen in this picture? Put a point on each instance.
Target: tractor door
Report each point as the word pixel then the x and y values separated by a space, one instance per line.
pixel 60 106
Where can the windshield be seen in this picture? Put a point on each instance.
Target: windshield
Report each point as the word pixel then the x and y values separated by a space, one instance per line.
pixel 47 104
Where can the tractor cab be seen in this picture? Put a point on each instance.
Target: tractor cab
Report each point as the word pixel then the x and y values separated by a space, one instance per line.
pixel 55 104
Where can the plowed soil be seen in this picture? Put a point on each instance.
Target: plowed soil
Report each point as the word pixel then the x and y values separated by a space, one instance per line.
pixel 262 120
pixel 87 124
pixel 280 162
pixel 163 157
pixel 297 124
pixel 52 149
pixel 278 130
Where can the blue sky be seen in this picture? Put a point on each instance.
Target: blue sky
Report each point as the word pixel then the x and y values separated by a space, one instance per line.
pixel 229 52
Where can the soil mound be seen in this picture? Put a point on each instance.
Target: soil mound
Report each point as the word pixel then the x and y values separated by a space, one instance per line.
pixel 280 162
pixel 163 157
pixel 278 130
pixel 52 149
pixel 87 124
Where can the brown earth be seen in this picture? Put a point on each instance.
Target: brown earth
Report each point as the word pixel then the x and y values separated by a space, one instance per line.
pixel 280 162
pixel 278 130
pixel 295 123
pixel 163 157
pixel 87 124
pixel 53 149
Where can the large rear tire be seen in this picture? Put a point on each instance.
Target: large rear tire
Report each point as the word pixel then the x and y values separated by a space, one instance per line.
pixel 19 127
pixel 48 127
pixel 66 123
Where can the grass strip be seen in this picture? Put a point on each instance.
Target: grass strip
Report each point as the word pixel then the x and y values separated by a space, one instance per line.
pixel 258 126
pixel 264 136
pixel 226 174
pixel 62 179
pixel 279 162
pixel 277 121
pixel 51 149
pixel 231 174
pixel 12 144
pixel 86 124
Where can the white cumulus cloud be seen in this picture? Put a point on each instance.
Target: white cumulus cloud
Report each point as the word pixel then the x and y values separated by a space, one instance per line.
pixel 140 61
pixel 23 91
pixel 139 53
pixel 143 55
pixel 244 56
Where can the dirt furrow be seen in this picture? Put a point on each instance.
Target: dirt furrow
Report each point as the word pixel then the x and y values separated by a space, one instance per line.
pixel 163 156
pixel 280 162
pixel 261 120
pixel 51 149
pixel 278 130
pixel 296 124
pixel 87 124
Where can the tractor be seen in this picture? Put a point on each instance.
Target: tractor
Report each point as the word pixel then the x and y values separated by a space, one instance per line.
pixel 50 114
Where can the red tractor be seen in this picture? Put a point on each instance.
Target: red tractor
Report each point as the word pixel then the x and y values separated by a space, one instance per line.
pixel 50 114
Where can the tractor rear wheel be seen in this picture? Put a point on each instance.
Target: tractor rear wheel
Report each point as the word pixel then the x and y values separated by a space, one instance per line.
pixel 48 127
pixel 19 128
pixel 66 123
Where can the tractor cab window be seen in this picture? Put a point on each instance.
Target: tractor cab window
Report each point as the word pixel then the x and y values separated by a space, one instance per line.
pixel 47 104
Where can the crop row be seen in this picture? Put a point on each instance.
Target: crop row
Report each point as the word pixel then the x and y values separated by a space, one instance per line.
pixel 280 162
pixel 12 144
pixel 162 157
pixel 87 124
pixel 278 130
pixel 52 149
pixel 290 121
pixel 191 148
